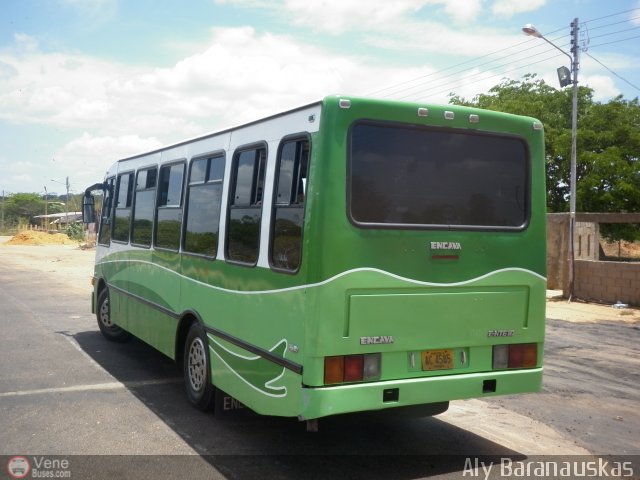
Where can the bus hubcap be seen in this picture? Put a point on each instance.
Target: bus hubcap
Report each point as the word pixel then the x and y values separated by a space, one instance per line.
pixel 197 364
pixel 104 314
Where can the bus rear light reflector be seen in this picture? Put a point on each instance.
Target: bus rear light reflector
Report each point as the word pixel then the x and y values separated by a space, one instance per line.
pixel 524 355
pixel 333 370
pixel 371 366
pixel 500 357
pixel 351 368
pixel 521 355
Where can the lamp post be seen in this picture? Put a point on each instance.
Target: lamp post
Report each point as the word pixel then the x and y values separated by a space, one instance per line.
pixel 529 29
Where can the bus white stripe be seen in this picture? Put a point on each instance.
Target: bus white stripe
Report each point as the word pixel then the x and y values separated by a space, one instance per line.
pixel 334 278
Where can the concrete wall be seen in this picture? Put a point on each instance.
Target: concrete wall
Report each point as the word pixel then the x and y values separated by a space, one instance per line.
pixel 606 282
pixel 587 241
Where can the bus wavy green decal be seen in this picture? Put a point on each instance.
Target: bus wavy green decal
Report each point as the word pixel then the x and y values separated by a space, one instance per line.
pixel 257 372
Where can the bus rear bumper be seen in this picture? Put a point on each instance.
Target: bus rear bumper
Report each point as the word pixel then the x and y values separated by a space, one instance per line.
pixel 324 401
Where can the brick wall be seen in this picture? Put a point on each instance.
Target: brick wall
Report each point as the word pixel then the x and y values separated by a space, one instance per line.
pixel 607 282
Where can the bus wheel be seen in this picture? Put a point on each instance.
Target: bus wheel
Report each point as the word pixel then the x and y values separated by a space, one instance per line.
pixel 197 369
pixel 109 329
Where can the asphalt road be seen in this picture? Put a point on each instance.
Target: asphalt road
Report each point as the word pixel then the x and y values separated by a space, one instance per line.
pixel 66 393
pixel 591 386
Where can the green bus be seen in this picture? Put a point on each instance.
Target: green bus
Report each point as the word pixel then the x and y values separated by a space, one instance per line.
pixel 350 255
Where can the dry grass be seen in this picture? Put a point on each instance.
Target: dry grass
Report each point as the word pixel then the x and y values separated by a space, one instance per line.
pixel 621 250
pixel 40 238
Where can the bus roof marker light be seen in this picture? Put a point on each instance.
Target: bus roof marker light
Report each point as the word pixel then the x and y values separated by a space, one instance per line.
pixel 423 112
pixel 473 118
pixel 537 126
pixel 449 115
pixel 344 103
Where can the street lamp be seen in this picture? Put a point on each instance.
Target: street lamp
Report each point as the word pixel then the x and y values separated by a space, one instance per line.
pixel 565 79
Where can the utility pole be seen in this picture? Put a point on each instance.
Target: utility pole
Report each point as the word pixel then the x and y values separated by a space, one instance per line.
pixel 46 204
pixel 533 31
pixel 66 204
pixel 574 148
pixel 2 215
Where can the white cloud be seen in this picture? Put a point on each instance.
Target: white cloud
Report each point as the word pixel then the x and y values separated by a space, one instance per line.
pixel 338 16
pixel 7 71
pixel 508 8
pixel 341 16
pixel 463 10
pixel 43 89
pixel 240 76
pixel 25 43
pixel 635 19
pixel 92 13
pixel 604 87
pixel 402 25
pixel 88 156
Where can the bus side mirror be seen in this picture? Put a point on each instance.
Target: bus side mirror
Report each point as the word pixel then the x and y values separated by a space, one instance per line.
pixel 88 208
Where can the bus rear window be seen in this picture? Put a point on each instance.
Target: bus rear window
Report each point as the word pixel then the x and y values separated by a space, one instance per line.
pixel 408 176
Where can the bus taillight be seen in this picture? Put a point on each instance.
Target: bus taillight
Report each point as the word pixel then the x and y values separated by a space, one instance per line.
pixel 520 355
pixel 351 368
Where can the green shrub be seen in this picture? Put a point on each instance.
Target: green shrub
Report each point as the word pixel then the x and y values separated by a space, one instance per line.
pixel 75 231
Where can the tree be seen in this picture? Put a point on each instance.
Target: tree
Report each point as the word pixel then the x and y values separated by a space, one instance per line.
pixel 608 148
pixel 22 207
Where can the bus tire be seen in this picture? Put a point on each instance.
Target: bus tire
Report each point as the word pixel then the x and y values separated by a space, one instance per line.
pixel 109 330
pixel 197 369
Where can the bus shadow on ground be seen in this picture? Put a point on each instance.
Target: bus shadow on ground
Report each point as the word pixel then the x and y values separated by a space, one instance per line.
pixel 241 444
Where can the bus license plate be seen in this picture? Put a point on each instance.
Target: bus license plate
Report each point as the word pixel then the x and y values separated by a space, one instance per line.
pixel 437 359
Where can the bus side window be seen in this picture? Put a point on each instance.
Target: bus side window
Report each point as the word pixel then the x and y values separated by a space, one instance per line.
pixel 245 206
pixel 143 206
pixel 168 224
pixel 104 236
pixel 204 201
pixel 122 218
pixel 288 215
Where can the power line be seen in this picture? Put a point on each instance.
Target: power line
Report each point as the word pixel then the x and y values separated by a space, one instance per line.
pixel 517 53
pixel 614 33
pixel 419 85
pixel 439 82
pixel 612 15
pixel 615 41
pixel 462 81
pixel 611 71
pixel 452 66
pixel 615 23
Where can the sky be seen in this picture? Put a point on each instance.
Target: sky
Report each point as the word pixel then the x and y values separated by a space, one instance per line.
pixel 85 82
